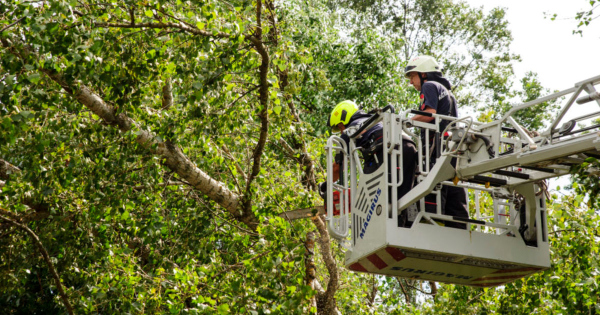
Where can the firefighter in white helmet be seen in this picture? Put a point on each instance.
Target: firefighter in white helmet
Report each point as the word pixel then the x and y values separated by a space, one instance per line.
pixel 436 97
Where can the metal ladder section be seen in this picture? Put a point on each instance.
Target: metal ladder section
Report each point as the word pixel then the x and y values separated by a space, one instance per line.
pixel 500 158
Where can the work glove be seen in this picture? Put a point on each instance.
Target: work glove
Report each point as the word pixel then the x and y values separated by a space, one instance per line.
pixel 323 190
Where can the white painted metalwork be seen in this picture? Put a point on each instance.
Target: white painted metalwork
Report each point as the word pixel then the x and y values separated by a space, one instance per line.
pixel 499 160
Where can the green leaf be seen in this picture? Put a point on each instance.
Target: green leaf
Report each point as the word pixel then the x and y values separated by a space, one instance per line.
pixel 130 205
pixel 277 109
pixel 125 215
pixel 223 309
pixel 171 67
pixel 47 191
pixel 34 78
pixel 149 13
pixel 291 289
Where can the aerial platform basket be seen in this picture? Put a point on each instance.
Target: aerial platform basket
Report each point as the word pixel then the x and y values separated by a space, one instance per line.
pixel 500 159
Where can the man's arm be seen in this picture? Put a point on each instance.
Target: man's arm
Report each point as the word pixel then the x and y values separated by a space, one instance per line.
pixel 336 172
pixel 429 95
pixel 425 118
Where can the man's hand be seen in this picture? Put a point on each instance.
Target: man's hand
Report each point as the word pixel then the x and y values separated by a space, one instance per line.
pixel 425 118
pixel 323 190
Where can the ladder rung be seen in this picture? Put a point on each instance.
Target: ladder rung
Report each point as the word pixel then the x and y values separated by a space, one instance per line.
pixel 496 182
pixel 512 174
pixel 540 169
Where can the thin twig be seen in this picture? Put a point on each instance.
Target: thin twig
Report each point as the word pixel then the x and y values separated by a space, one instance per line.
pixel 181 26
pixel 406 296
pixel 44 253
pixel 11 24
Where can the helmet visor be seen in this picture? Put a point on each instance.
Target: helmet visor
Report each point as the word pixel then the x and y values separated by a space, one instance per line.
pixel 408 68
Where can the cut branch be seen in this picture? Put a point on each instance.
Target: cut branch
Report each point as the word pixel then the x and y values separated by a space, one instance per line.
pixel 174 157
pixel 44 253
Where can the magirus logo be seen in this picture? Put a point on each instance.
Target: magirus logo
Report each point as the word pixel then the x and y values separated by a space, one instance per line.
pixel 371 209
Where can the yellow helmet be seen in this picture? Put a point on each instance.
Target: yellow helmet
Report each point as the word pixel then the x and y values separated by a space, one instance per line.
pixel 422 64
pixel 341 114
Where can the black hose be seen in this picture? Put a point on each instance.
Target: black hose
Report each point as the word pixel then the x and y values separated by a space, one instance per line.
pixel 371 119
pixel 488 144
pixel 390 107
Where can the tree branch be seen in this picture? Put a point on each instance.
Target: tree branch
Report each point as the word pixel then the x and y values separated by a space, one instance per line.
pixel 433 287
pixel 406 296
pixel 6 169
pixel 172 155
pixel 475 298
pixel 373 293
pixel 167 95
pixel 181 26
pixel 310 271
pixel 44 253
pixel 328 304
pixel 263 92
pixel 308 179
pixel 11 25
pixel 238 167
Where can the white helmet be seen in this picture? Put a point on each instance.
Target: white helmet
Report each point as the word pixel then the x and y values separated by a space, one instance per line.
pixel 422 64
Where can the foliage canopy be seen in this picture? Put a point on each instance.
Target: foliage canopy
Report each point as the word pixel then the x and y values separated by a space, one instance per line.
pixel 148 147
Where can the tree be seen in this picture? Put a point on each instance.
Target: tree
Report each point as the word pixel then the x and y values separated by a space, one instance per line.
pixel 473 47
pixel 141 132
pixel 147 150
pixel 533 119
pixel 584 17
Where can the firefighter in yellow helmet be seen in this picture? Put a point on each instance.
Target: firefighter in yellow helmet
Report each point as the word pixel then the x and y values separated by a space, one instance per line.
pixel 436 97
pixel 347 114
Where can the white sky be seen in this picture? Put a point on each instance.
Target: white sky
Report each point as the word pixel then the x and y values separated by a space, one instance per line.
pixel 548 47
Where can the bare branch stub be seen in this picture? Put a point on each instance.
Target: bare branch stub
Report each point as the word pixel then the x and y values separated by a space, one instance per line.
pixel 167 95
